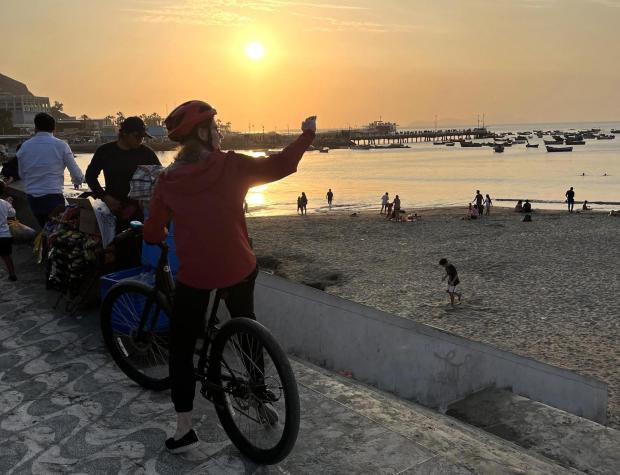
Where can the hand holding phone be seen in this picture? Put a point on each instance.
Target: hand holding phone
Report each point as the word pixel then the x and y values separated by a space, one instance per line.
pixel 309 124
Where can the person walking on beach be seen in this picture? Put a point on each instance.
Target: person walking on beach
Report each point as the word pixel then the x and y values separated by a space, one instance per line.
pixel 118 161
pixel 479 202
pixel 385 199
pixel 453 279
pixel 330 198
pixel 488 202
pixel 6 240
pixel 41 161
pixel 304 203
pixel 397 208
pixel 299 210
pixel 570 199
pixel 204 190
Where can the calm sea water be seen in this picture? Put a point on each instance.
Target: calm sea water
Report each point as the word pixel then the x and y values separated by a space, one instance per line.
pixel 426 175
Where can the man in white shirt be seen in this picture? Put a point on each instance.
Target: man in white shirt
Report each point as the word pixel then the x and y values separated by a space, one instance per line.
pixel 42 161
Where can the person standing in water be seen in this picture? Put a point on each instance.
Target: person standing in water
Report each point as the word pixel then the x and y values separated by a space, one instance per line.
pixel 385 199
pixel 570 199
pixel 304 203
pixel 330 197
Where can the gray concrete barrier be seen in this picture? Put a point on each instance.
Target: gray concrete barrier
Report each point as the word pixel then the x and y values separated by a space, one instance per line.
pixel 409 359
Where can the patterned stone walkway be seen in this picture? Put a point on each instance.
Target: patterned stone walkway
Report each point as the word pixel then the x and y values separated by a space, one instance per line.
pixel 66 408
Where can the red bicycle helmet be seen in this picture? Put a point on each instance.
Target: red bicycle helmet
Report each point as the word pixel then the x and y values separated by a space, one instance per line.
pixel 182 121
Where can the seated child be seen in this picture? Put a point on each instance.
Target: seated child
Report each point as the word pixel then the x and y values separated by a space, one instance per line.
pixel 519 207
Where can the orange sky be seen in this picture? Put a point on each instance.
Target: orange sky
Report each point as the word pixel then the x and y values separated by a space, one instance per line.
pixel 348 62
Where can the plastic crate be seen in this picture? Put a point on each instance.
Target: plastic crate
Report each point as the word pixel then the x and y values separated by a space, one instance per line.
pixel 125 323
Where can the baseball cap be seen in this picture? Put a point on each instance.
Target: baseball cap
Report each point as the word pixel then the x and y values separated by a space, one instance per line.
pixel 134 124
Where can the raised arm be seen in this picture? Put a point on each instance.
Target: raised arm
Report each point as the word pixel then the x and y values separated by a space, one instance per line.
pixel 264 170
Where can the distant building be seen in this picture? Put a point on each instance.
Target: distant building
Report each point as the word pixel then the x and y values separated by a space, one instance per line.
pixel 158 132
pixel 23 105
pixel 108 134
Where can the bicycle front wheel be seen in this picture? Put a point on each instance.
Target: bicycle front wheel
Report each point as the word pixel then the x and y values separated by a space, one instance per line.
pixel 258 404
pixel 136 329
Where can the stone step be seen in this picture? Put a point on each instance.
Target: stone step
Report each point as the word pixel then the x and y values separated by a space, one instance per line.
pixel 456 447
pixel 569 440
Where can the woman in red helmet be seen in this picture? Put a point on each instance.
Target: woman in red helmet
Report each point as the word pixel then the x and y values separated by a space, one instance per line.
pixel 203 192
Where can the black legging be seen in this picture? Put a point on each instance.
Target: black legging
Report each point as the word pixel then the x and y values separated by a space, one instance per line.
pixel 188 316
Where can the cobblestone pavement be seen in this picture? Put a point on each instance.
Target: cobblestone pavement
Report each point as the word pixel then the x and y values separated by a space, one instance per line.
pixel 66 408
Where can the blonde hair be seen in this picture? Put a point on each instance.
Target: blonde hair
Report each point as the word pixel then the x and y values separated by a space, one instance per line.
pixel 191 151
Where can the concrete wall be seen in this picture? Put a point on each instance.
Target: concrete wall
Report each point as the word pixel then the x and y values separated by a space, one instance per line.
pixel 412 360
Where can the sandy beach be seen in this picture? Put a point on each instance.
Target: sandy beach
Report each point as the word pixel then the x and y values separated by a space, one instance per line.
pixel 548 289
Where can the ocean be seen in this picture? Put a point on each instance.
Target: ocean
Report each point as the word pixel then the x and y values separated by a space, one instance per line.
pixel 427 175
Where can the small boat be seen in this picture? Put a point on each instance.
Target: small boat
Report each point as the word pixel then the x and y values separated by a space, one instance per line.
pixel 559 149
pixel 575 142
pixel 324 150
pixel 615 131
pixel 554 142
pixel 449 144
pixel 605 137
pixel 439 143
pixel 532 145
pixel 499 148
pixel 465 143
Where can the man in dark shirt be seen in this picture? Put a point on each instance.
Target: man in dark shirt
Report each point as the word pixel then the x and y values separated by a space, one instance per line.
pixel 570 199
pixel 118 161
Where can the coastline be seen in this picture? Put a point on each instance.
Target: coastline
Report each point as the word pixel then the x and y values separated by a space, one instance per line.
pixel 543 289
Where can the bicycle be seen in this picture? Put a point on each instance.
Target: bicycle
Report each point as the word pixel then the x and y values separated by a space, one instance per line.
pixel 241 368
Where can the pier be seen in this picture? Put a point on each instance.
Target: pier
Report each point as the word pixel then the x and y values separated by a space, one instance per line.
pixel 361 137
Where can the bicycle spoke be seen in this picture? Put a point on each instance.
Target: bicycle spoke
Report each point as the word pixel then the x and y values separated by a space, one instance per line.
pixel 149 354
pixel 244 361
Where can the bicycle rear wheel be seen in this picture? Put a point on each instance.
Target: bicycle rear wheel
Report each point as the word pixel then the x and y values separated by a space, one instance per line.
pixel 140 351
pixel 258 405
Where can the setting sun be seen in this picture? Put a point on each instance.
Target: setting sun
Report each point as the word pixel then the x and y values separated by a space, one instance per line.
pixel 255 51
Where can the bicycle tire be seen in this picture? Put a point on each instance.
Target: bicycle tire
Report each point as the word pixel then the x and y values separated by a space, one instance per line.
pixel 143 295
pixel 285 444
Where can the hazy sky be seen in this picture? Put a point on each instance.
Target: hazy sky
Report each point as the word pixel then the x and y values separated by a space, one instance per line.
pixel 350 61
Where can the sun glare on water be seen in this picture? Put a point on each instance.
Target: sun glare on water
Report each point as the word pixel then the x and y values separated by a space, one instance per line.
pixel 255 51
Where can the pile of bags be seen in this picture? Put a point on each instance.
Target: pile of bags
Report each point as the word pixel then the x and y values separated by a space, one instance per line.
pixel 73 255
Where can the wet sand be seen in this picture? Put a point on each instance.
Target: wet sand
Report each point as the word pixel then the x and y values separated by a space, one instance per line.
pixel 549 289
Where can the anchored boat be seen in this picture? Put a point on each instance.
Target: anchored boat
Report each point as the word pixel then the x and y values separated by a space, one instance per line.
pixel 559 149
